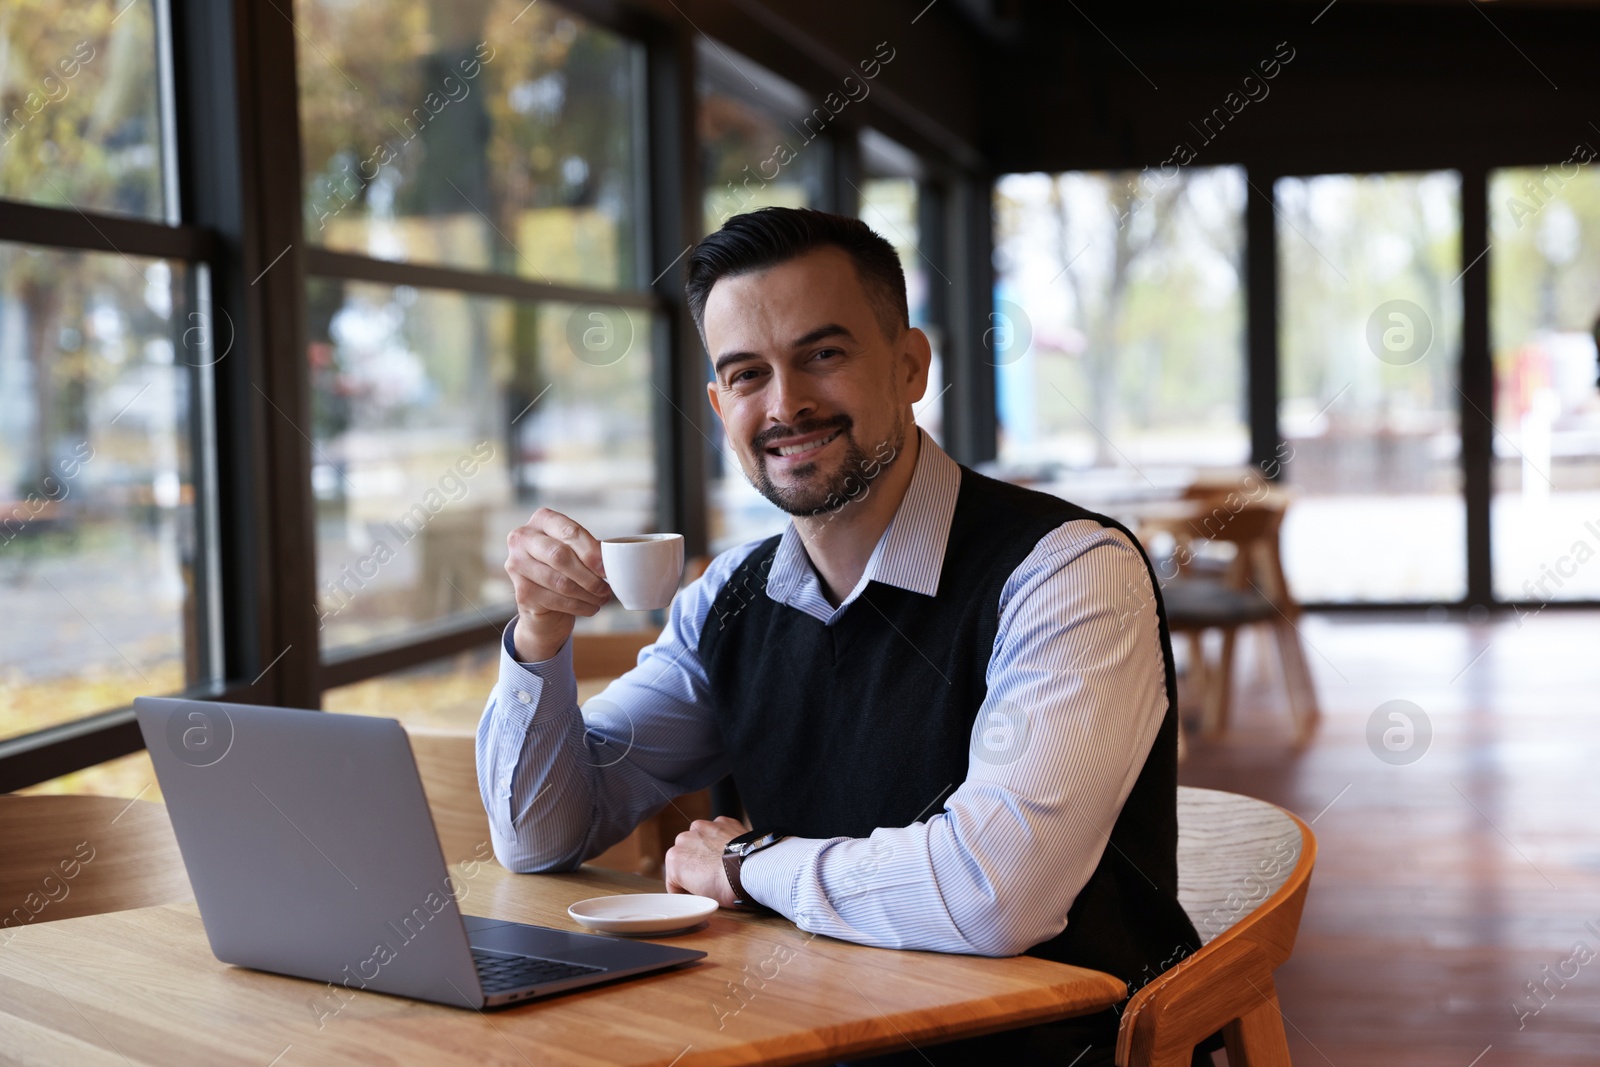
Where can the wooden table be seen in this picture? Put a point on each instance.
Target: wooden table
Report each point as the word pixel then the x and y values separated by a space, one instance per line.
pixel 141 987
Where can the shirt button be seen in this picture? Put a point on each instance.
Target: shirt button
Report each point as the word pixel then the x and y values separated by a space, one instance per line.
pixel 522 695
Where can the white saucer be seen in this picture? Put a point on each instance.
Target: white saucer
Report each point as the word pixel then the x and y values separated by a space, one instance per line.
pixel 640 914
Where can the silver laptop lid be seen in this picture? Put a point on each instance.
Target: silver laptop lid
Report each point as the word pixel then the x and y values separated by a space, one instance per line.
pixel 310 846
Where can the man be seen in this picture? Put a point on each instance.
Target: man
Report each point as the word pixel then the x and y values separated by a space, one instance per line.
pixel 945 701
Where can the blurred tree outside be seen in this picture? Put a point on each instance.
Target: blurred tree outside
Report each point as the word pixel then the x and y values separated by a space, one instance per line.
pixel 79 129
pixel 1129 307
pixel 513 147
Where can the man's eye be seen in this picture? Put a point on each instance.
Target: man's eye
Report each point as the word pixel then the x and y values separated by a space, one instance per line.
pixel 739 377
pixel 827 352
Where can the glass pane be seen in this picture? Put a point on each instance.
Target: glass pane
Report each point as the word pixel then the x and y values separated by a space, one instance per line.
pixel 760 144
pixel 80 107
pixel 446 694
pixel 1119 311
pixel 441 422
pixel 495 136
pixel 889 206
pixel 1545 313
pixel 98 546
pixel 753 157
pixel 1370 329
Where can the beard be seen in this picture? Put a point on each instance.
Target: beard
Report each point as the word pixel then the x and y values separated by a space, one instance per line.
pixel 820 494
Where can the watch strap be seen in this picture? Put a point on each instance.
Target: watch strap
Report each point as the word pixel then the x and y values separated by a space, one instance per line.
pixel 734 855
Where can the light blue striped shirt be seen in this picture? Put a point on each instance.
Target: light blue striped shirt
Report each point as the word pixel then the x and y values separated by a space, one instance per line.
pixel 1076 695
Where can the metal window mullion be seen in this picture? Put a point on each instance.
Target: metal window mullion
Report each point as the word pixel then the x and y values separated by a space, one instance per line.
pixel 1261 321
pixel 166 97
pixel 89 231
pixel 346 266
pixel 1476 370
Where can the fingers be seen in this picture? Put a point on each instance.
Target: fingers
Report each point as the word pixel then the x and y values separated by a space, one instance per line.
pixel 582 545
pixel 535 598
pixel 669 873
pixel 555 566
pixel 548 582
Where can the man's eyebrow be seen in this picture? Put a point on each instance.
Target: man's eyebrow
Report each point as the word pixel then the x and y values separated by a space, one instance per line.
pixel 730 358
pixel 832 329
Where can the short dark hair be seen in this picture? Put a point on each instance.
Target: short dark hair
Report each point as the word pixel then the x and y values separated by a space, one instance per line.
pixel 760 239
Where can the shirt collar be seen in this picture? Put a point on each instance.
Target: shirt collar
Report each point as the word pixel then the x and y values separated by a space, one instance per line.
pixel 910 552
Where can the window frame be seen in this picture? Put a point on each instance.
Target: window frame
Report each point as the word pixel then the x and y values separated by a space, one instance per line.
pixel 68 746
pixel 238 224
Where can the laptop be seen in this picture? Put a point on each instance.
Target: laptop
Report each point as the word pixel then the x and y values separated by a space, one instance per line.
pixel 312 853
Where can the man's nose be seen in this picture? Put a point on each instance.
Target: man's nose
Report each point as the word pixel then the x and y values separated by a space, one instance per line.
pixel 790 398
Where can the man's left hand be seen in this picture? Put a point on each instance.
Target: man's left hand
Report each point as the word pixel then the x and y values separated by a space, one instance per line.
pixel 694 862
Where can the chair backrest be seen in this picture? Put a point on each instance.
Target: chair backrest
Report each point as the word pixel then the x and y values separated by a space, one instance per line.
pixel 1244 867
pixel 1254 529
pixel 446 761
pixel 447 764
pixel 1234 853
pixel 65 856
pixel 1249 523
pixel 608 655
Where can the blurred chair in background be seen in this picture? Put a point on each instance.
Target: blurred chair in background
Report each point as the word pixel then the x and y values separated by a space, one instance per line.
pixel 1225 590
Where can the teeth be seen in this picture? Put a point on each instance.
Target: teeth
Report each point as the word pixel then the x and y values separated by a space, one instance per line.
pixel 793 450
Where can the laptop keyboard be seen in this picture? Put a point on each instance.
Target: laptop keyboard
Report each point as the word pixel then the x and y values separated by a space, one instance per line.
pixel 499 973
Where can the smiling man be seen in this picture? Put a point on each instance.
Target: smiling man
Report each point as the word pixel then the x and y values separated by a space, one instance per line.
pixel 946 701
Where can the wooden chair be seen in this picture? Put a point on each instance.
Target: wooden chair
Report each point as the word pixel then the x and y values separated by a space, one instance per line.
pixel 447 763
pixel 66 856
pixel 605 656
pixel 1243 870
pixel 1225 595
pixel 597 656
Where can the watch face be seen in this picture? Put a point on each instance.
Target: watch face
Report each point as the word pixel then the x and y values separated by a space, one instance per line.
pixel 743 849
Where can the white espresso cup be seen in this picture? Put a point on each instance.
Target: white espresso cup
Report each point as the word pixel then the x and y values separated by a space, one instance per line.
pixel 643 569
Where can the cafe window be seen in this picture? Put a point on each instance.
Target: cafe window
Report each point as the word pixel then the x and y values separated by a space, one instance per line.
pixel 1117 328
pixel 1370 333
pixel 761 142
pixel 491 137
pixel 106 542
pixel 83 125
pixel 1544 314
pixel 442 421
pixel 448 404
pixel 891 202
pixel 761 145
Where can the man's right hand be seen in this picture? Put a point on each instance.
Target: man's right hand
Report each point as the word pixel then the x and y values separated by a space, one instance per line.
pixel 557 574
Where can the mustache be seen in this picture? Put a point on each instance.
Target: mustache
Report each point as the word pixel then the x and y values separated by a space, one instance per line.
pixel 762 440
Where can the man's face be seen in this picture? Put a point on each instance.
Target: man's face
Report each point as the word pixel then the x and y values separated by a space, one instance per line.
pixel 813 395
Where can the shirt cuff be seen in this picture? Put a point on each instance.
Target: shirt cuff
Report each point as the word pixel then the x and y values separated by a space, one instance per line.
pixel 527 689
pixel 770 876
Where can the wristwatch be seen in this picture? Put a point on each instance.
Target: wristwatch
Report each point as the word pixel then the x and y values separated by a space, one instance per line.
pixel 735 852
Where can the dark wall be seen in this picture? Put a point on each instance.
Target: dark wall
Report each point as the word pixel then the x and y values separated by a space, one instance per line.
pixel 926 97
pixel 1370 86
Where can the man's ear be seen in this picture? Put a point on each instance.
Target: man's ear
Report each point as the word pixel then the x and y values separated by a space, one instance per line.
pixel 715 398
pixel 916 356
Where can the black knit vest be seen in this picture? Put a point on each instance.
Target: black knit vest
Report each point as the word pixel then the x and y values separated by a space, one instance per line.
pixel 838 730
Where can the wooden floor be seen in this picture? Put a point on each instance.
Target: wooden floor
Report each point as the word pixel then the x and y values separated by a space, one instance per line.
pixel 1444 887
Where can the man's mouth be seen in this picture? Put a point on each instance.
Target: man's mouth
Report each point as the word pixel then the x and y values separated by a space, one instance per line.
pixel 801 448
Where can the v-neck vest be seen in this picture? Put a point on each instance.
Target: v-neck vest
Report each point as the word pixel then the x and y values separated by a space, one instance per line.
pixel 836 730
